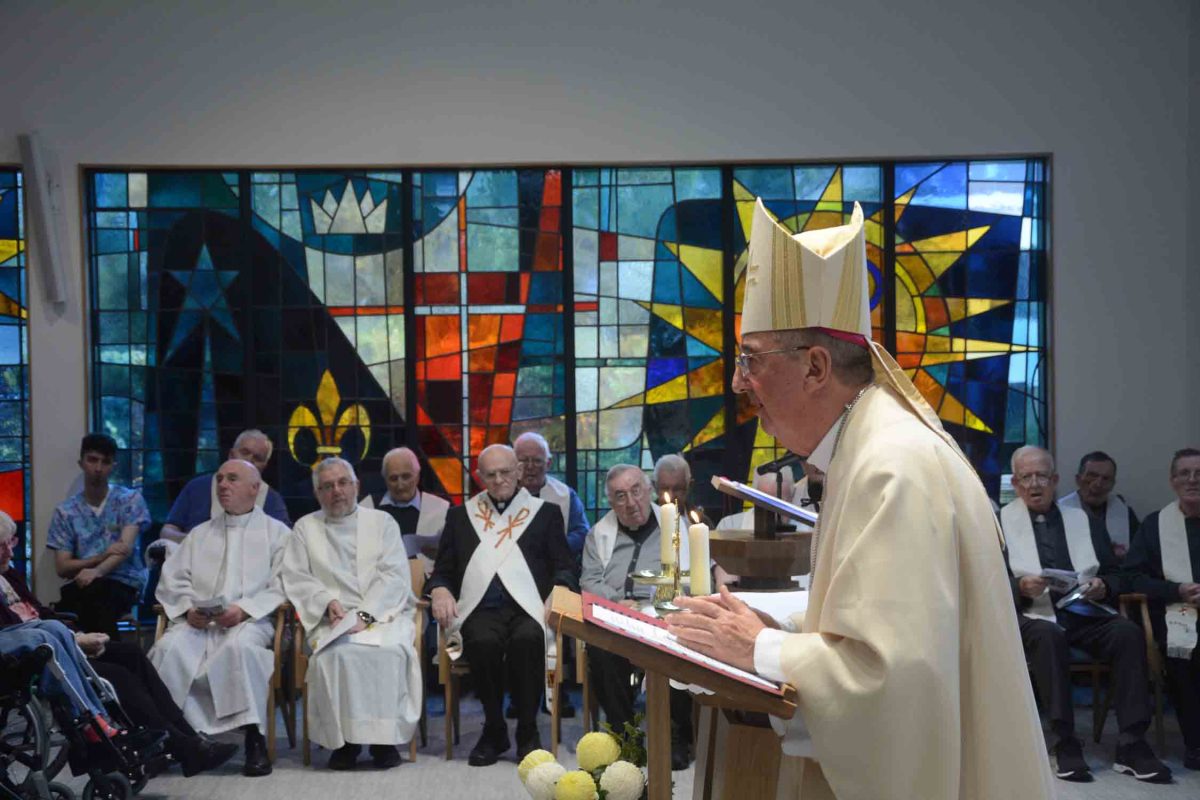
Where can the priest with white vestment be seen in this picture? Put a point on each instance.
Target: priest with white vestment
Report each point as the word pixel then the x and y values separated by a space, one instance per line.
pixel 1164 564
pixel 219 589
pixel 1042 535
pixel 907 664
pixel 346 572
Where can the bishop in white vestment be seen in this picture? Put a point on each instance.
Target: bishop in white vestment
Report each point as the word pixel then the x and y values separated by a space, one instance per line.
pixel 219 589
pixel 346 572
pixel 907 664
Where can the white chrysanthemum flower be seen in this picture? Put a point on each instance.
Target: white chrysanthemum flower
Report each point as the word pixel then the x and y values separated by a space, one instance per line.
pixel 622 781
pixel 541 780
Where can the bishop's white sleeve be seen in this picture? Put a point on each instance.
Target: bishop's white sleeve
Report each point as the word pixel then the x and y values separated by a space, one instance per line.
pixel 768 653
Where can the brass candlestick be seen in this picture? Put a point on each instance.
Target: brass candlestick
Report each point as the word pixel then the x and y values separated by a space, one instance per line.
pixel 666 605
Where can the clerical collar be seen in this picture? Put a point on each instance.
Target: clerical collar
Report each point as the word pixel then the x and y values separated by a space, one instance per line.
pixel 500 504
pixel 415 502
pixel 1040 518
pixel 238 520
pixel 641 532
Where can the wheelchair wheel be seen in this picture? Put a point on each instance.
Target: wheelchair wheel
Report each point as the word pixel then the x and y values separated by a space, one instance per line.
pixel 60 792
pixel 108 787
pixel 26 741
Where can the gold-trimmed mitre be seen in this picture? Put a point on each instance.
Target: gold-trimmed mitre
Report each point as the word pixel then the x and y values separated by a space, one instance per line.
pixel 814 279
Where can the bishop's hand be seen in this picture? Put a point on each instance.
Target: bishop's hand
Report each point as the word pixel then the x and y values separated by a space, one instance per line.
pixel 724 629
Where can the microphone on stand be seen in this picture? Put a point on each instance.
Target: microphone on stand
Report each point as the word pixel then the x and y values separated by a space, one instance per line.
pixel 779 463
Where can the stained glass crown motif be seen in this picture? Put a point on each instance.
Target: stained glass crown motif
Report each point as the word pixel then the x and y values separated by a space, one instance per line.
pixel 813 279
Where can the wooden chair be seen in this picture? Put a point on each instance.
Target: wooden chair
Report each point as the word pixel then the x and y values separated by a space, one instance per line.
pixel 277 692
pixel 451 672
pixel 1137 608
pixel 1100 677
pixel 300 658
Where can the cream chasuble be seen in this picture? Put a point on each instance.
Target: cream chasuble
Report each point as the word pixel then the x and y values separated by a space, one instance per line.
pixel 1116 516
pixel 363 687
pixel 909 667
pixel 497 555
pixel 1177 567
pixel 219 676
pixel 1023 556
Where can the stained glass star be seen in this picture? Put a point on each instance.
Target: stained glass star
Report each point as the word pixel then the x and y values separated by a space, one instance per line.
pixel 205 285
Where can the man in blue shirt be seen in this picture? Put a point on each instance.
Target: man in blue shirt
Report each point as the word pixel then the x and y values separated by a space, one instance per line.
pixel 94 538
pixel 197 502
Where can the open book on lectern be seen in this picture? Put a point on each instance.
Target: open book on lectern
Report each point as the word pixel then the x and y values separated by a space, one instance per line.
pixel 635 625
pixel 754 496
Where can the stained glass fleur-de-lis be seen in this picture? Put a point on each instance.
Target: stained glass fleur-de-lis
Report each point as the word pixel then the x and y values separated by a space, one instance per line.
pixel 330 423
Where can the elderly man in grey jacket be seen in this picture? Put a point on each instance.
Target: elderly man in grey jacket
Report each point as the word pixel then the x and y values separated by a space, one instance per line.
pixel 624 541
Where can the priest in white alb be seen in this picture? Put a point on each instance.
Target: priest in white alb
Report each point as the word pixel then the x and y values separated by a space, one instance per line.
pixel 907 664
pixel 219 589
pixel 346 572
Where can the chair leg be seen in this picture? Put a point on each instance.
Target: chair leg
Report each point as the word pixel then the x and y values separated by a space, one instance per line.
pixel 307 746
pixel 412 750
pixel 449 694
pixel 555 721
pixel 457 716
pixel 1160 735
pixel 271 724
pixel 423 725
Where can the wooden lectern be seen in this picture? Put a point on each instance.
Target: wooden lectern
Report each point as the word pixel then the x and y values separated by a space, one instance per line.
pixel 566 616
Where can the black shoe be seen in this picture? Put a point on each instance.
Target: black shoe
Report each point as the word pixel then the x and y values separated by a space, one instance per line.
pixel 200 755
pixel 681 755
pixel 345 757
pixel 257 763
pixel 527 744
pixel 1138 760
pixel 385 756
pixel 488 749
pixel 1071 766
pixel 1191 759
pixel 565 709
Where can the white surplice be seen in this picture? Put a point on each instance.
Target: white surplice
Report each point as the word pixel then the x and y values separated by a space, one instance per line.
pixel 365 687
pixel 220 676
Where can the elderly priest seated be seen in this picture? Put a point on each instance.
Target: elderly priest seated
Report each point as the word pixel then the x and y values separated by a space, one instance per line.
pixel 501 554
pixel 1042 535
pixel 219 589
pixel 346 572
pixel 1164 564
pixel 626 540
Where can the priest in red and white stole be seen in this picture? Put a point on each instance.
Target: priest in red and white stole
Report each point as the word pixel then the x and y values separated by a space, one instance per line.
pixel 346 572
pixel 500 555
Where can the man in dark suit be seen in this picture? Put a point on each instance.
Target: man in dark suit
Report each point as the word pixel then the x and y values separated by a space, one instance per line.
pixel 501 553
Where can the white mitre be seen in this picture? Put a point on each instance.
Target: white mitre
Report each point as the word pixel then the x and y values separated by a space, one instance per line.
pixel 819 279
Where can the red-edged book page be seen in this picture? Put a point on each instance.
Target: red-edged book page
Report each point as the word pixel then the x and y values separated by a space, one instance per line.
pixel 643 628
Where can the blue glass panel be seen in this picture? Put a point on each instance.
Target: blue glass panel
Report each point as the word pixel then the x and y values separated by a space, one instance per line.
pixel 111 190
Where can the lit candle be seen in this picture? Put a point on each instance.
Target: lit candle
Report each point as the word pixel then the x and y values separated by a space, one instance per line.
pixel 698 547
pixel 666 524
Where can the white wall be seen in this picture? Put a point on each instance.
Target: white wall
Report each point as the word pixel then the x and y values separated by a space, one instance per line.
pixel 1102 86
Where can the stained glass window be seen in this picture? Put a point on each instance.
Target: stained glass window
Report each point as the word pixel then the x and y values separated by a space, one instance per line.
pixel 970 301
pixel 352 311
pixel 489 365
pixel 649 321
pixel 14 363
